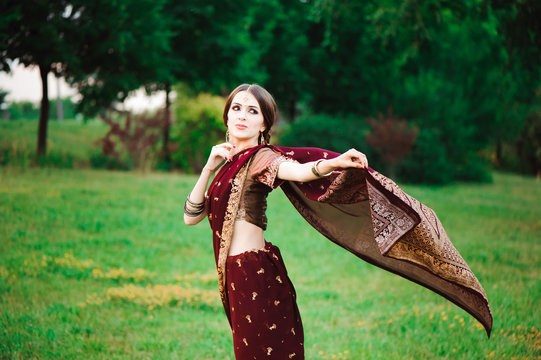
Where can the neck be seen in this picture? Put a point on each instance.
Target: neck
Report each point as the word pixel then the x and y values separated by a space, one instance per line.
pixel 242 145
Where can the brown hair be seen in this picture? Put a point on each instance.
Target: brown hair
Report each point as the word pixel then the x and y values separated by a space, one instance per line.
pixel 266 103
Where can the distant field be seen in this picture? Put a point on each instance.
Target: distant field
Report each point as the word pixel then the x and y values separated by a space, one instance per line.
pixel 98 265
pixel 69 143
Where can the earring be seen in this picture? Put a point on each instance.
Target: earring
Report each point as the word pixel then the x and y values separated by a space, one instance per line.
pixel 227 136
pixel 261 139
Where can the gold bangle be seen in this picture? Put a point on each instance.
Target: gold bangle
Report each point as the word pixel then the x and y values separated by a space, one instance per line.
pixel 314 168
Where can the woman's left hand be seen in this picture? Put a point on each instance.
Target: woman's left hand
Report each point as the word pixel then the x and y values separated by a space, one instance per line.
pixel 351 158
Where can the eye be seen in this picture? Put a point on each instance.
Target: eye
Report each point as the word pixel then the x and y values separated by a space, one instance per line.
pixel 235 107
pixel 253 111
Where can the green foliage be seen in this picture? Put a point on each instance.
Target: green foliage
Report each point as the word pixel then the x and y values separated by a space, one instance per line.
pixel 529 144
pixel 328 132
pixel 18 110
pixel 69 109
pixel 446 67
pixel 98 160
pixel 427 163
pixel 468 71
pixel 199 126
pixel 27 110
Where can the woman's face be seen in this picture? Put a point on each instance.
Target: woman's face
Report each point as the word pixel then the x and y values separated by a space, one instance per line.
pixel 244 118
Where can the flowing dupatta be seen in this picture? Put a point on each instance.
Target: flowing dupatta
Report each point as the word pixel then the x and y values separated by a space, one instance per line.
pixel 364 212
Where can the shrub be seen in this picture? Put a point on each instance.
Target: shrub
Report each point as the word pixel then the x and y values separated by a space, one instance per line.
pixel 328 132
pixel 132 142
pixel 427 163
pixel 528 145
pixel 391 138
pixel 198 127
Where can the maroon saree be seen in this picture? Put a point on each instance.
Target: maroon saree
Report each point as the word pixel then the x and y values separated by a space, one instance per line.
pixel 365 213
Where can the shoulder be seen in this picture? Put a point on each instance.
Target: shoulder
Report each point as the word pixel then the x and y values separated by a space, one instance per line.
pixel 265 164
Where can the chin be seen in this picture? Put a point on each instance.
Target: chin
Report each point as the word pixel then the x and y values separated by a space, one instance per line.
pixel 243 137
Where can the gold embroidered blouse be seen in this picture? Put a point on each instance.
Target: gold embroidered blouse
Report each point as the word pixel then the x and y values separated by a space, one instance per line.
pixel 260 181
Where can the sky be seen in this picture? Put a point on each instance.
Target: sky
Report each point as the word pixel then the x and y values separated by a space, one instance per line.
pixel 24 84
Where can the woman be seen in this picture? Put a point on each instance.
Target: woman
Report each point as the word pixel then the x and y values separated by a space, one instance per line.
pixel 339 195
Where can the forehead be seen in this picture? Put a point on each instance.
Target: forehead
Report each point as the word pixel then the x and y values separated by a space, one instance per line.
pixel 245 98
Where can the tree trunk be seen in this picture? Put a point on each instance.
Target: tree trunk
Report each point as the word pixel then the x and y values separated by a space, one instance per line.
pixel 498 158
pixel 43 112
pixel 59 108
pixel 167 127
pixel 292 109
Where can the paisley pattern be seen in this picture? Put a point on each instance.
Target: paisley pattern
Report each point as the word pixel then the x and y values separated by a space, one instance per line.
pixel 389 222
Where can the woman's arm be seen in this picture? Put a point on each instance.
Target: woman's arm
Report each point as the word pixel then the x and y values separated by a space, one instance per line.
pixel 218 154
pixel 303 172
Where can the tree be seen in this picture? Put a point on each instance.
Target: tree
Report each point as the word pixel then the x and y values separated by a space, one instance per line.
pixel 96 45
pixel 38 33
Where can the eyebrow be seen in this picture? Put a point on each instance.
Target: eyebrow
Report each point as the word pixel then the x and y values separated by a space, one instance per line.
pixel 252 106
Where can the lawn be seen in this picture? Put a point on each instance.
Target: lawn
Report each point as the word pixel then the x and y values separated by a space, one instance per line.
pixel 99 265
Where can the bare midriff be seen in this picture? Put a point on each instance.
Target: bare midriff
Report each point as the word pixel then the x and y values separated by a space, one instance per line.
pixel 246 237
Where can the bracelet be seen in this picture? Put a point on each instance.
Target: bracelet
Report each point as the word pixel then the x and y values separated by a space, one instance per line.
pixel 193 213
pixel 315 170
pixel 197 206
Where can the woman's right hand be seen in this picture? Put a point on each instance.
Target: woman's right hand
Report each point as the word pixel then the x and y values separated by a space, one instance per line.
pixel 218 154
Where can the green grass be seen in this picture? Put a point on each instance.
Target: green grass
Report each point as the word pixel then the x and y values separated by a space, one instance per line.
pixel 84 252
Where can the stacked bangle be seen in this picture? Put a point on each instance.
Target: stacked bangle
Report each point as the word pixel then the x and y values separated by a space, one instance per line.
pixel 315 170
pixel 198 208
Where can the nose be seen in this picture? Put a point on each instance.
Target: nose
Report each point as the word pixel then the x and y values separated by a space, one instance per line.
pixel 242 114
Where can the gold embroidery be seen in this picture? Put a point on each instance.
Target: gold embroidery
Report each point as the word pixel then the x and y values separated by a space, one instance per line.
pixel 279 279
pixel 233 286
pixel 254 295
pixel 245 341
pixel 291 355
pixel 238 262
pixel 241 214
pixel 248 317
pixel 293 331
pixel 388 221
pixel 272 327
pixel 227 227
pixel 261 271
pixel 276 302
pixel 269 350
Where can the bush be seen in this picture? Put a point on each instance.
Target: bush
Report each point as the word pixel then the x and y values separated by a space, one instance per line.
pixel 427 161
pixel 528 145
pixel 22 110
pixel 198 127
pixel 98 160
pixel 328 132
pixel 132 139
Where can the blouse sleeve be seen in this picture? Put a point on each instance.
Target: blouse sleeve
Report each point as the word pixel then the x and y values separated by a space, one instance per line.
pixel 265 166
